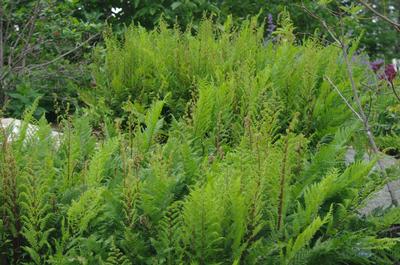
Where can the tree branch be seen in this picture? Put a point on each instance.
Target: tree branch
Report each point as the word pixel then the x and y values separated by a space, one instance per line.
pixel 344 98
pixel 394 90
pixel 364 119
pixel 323 23
pixel 34 66
pixel 29 24
pixel 2 94
pixel 388 20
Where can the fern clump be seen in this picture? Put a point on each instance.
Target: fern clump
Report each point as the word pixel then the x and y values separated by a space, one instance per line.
pixel 231 72
pixel 229 150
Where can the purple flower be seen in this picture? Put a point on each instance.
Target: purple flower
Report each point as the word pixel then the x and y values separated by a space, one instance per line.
pixel 271 26
pixel 390 73
pixel 376 65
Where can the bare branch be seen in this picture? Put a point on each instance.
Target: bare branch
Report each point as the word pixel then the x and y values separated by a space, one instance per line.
pixel 1 37
pixel 394 90
pixel 361 114
pixel 29 50
pixel 2 93
pixel 30 25
pixel 323 23
pixel 34 66
pixel 388 20
pixel 343 97
pixel 367 127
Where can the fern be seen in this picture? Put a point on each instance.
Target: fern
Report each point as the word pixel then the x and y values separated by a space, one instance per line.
pixel 35 194
pixel 327 157
pixel 303 239
pixel 10 210
pixel 83 211
pixel 130 201
pixel 157 189
pixel 242 162
pixel 115 256
pixel 153 124
pixel 168 244
pixel 77 144
pixel 98 162
pixel 202 115
pixel 202 217
pixel 314 197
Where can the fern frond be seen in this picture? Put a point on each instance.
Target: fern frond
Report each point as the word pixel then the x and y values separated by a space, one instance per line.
pixel 98 162
pixel 202 217
pixel 303 239
pixel 116 257
pixel 84 210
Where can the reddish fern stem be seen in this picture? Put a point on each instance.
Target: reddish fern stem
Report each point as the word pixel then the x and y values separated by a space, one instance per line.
pixel 282 183
pixel 11 198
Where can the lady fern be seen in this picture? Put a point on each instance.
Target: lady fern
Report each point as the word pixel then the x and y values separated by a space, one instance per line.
pixel 116 257
pixel 10 209
pixel 267 200
pixel 242 162
pixel 36 211
pixel 168 243
pixel 202 218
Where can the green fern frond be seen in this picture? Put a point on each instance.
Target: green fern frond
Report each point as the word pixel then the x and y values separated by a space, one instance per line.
pixel 304 238
pixel 84 210
pixel 202 218
pixel 98 162
pixel 116 257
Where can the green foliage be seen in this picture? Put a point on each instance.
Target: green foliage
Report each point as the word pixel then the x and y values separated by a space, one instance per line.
pixel 248 168
pixel 230 72
pixel 50 56
pixel 35 194
pixel 268 199
pixel 116 257
pixel 379 39
pixel 40 54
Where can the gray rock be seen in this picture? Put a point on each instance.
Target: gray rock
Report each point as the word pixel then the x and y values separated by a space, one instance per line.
pixel 382 198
